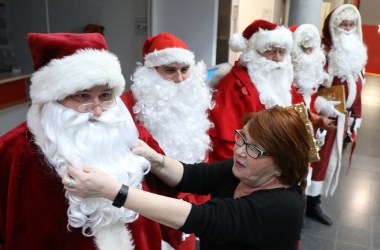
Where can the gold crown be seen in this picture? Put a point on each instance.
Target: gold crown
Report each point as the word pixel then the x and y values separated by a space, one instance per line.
pixel 314 144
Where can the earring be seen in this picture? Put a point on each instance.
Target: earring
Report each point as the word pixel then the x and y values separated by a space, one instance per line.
pixel 277 174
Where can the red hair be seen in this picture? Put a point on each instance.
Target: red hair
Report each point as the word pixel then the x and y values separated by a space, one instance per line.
pixel 282 133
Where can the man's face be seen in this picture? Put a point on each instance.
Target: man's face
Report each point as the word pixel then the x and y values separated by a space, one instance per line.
pixel 347 25
pixel 94 100
pixel 275 54
pixel 175 72
pixel 90 139
pixel 307 51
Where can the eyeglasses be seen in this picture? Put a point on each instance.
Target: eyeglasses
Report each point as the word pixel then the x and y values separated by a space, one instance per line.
pixel 252 150
pixel 105 105
pixel 273 52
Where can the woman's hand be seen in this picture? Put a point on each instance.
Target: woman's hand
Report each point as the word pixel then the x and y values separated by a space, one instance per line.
pixel 90 183
pixel 155 159
pixel 167 169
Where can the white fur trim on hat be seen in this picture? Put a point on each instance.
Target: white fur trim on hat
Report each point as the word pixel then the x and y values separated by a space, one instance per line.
pixel 223 70
pixel 263 40
pixel 237 42
pixel 306 35
pixel 168 56
pixel 337 12
pixel 82 70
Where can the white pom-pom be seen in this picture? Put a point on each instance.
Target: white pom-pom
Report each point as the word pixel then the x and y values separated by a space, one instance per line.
pixel 237 42
pixel 223 70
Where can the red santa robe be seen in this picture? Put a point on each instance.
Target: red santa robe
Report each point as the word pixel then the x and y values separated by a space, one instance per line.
pixel 33 207
pixel 235 97
pixel 326 171
pixel 129 101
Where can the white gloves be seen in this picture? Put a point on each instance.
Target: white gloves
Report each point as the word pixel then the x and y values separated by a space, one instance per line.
pixel 358 123
pixel 320 136
pixel 308 177
pixel 325 107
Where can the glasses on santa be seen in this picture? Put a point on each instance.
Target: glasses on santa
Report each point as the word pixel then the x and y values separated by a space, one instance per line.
pixel 275 51
pixel 106 101
pixel 252 150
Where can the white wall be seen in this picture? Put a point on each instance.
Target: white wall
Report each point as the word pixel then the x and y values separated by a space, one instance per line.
pixel 250 10
pixel 194 22
pixel 11 117
pixel 369 10
pixel 325 10
pixel 305 11
pixel 25 16
pixel 117 16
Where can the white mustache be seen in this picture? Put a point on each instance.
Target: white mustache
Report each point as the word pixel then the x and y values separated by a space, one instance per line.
pixel 347 32
pixel 110 116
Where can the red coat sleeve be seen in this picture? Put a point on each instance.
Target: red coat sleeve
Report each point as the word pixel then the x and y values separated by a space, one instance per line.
pixel 296 96
pixel 129 101
pixel 235 96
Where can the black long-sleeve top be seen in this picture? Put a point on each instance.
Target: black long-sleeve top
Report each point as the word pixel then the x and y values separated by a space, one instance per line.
pixel 266 219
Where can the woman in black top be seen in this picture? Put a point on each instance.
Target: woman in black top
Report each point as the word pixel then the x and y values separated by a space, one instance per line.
pixel 257 200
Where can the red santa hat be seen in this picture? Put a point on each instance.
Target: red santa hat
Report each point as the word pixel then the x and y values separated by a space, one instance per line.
pixel 164 49
pixel 261 35
pixel 66 63
pixel 306 35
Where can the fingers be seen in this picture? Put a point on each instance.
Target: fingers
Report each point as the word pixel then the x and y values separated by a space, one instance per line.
pixel 68 182
pixel 73 172
pixel 141 149
pixel 141 142
pixel 87 169
pixel 135 150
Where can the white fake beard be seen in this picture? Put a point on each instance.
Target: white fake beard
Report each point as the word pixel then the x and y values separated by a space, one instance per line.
pixel 175 114
pixel 100 142
pixel 273 80
pixel 308 70
pixel 348 55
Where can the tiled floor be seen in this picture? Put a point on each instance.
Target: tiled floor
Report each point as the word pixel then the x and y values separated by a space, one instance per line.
pixel 355 205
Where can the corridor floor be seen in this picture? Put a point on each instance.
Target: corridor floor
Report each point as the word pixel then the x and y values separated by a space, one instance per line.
pixel 355 205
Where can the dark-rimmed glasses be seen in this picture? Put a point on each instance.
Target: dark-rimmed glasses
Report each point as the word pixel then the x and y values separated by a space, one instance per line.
pixel 252 150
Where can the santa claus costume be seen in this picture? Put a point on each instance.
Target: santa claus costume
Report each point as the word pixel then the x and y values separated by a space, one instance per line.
pixel 35 211
pixel 309 60
pixel 176 114
pixel 346 59
pixel 308 68
pixel 254 83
